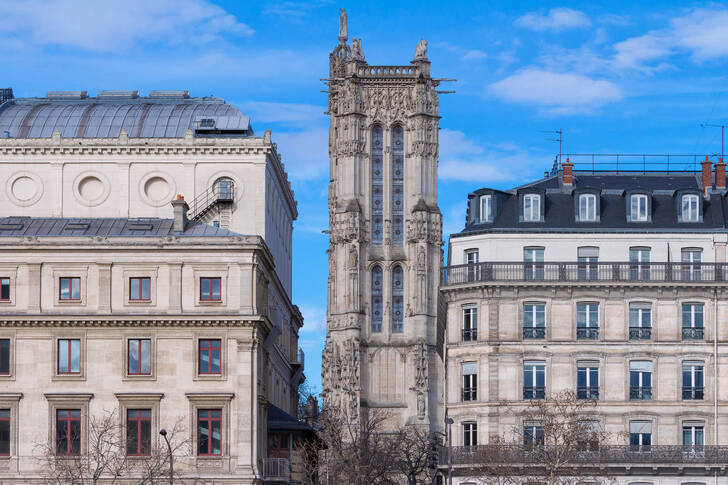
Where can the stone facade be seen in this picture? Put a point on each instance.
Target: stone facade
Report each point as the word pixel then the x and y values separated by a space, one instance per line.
pixel 383 344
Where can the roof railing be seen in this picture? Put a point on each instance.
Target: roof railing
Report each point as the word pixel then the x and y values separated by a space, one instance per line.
pixel 632 162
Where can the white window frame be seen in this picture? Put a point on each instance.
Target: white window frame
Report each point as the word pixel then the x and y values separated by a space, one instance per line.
pixel 640 309
pixel 638 208
pixel 470 314
pixel 472 256
pixel 588 207
pixel 531 207
pixel 486 208
pixel 693 313
pixel 689 208
pixel 470 433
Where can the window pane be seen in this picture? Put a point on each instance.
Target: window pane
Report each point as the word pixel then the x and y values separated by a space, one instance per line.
pixel 215 361
pixel 63 356
pixel 4 288
pixel 145 435
pixel 146 357
pixel 75 356
pixel 377 189
pixel 204 361
pixel 204 437
pixel 132 436
pixel 376 299
pixel 146 288
pixel 216 288
pixel 133 356
pixel 75 288
pixel 75 437
pixel 216 438
pixel 5 433
pixel 5 356
pixel 134 288
pixel 65 290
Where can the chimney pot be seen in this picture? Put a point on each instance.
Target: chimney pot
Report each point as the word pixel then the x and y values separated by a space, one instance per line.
pixel 567 173
pixel 707 175
pixel 720 175
pixel 180 208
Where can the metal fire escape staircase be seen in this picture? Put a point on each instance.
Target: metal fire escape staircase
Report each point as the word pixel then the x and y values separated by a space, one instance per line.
pixel 222 192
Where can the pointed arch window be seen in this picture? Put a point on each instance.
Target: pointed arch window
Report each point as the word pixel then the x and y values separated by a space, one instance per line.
pixel 377 299
pixel 397 299
pixel 397 185
pixel 377 185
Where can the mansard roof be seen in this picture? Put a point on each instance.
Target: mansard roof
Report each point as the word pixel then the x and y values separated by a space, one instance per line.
pixel 104 227
pixel 162 114
pixel 614 188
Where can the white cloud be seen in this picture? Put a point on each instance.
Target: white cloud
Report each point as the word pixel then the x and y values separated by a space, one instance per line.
pixel 474 55
pixel 559 93
pixel 305 153
pixel 633 53
pixel 290 113
pixel 555 20
pixel 314 319
pixel 110 25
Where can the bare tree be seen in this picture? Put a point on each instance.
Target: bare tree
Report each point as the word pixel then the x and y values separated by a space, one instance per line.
pixel 556 443
pixel 415 447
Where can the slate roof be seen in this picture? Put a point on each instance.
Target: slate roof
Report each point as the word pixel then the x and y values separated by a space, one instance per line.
pixel 104 227
pixel 559 208
pixel 278 419
pixel 164 115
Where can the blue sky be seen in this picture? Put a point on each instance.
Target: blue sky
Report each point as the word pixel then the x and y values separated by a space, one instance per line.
pixel 617 77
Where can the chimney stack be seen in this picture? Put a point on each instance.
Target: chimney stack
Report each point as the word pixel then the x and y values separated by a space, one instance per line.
pixel 180 208
pixel 566 172
pixel 707 176
pixel 720 175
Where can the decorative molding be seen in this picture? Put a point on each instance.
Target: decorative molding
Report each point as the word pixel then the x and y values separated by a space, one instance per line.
pixel 83 321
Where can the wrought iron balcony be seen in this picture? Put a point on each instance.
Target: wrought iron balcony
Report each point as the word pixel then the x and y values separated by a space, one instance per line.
pixel 470 393
pixel 643 393
pixel 534 392
pixel 589 392
pixel 575 272
pixel 640 333
pixel 693 333
pixel 587 333
pixel 470 334
pixel 277 469
pixel 696 393
pixel 534 333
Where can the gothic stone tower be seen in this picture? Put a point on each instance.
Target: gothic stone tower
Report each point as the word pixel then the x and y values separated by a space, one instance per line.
pixel 383 344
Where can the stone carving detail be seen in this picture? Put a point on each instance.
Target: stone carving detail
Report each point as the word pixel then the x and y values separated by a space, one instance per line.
pixel 356 52
pixel 421 293
pixel 346 228
pixel 352 293
pixel 421 387
pixel 343 27
pixel 340 374
pixel 421 50
pixel 424 226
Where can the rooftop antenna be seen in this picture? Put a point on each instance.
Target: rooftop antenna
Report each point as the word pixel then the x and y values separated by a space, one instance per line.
pixel 559 138
pixel 722 131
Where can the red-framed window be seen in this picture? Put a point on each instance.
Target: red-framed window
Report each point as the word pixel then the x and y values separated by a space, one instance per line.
pixel 139 357
pixel 68 432
pixel 209 432
pixel 69 288
pixel 4 289
pixel 139 432
pixel 210 289
pixel 140 289
pixel 4 356
pixel 69 356
pixel 4 432
pixel 209 356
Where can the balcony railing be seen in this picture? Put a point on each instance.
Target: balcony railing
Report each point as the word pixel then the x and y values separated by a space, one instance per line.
pixel 573 271
pixel 696 393
pixel 693 333
pixel 277 469
pixel 589 392
pixel 470 334
pixel 587 333
pixel 534 392
pixel 534 333
pixel 640 393
pixel 640 333
pixel 603 454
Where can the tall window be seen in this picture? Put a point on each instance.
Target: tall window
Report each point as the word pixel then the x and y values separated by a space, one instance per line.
pixel 209 432
pixel 534 380
pixel 691 269
pixel 639 263
pixel 534 321
pixel 4 432
pixel 377 185
pixel 377 299
pixel 693 437
pixel 640 380
pixel 533 435
pixel 587 380
pixel 588 257
pixel 4 356
pixel 640 321
pixel 470 324
pixel 486 208
pixel 640 435
pixel 68 432
pixel 689 208
pixel 587 207
pixel 692 321
pixel 531 207
pixel 471 259
pixel 70 288
pixel 587 321
pixel 69 356
pixel 693 383
pixel 638 208
pixel 470 434
pixel 140 288
pixel 209 356
pixel 470 381
pixel 139 357
pixel 533 268
pixel 397 299
pixel 210 289
pixel 397 184
pixel 4 289
pixel 138 432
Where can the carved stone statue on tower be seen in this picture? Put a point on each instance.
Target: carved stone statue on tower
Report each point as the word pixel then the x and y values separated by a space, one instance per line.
pixel 421 50
pixel 343 27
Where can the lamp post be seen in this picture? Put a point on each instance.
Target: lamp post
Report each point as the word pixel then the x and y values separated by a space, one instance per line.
pixel 163 432
pixel 449 422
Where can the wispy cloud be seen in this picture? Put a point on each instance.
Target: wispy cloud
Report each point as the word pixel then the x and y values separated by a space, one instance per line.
pixel 555 20
pixel 286 113
pixel 557 93
pixel 110 25
pixel 305 153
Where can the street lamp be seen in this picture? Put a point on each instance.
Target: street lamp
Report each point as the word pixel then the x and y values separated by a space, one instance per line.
pixel 449 422
pixel 163 432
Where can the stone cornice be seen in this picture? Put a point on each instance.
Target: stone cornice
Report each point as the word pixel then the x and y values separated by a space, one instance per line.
pixel 120 321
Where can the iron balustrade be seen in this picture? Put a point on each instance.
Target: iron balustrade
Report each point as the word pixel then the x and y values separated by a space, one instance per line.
pixel 643 393
pixel 277 469
pixel 696 393
pixel 534 333
pixel 587 333
pixel 470 334
pixel 588 392
pixel 470 393
pixel 693 333
pixel 534 392
pixel 640 333
pixel 574 272
pixel 577 455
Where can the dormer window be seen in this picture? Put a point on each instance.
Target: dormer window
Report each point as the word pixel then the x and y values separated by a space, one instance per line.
pixel 486 208
pixel 587 207
pixel 638 208
pixel 532 207
pixel 689 208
